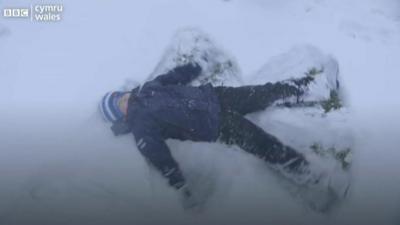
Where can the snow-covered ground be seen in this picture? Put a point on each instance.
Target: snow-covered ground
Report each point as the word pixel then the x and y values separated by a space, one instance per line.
pixel 60 165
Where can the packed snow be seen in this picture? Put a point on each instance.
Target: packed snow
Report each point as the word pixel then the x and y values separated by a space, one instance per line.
pixel 59 164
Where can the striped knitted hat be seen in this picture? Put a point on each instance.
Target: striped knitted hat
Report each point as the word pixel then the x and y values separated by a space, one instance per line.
pixel 109 106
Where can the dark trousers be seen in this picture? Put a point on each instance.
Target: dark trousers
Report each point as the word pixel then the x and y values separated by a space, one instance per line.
pixel 236 129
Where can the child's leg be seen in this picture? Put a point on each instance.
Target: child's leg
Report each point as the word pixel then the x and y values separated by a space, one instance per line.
pixel 235 129
pixel 252 98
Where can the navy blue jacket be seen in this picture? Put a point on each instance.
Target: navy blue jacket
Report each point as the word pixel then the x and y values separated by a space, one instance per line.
pixel 167 108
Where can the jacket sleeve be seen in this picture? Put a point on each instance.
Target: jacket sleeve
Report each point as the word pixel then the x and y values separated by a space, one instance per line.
pixel 153 147
pixel 180 75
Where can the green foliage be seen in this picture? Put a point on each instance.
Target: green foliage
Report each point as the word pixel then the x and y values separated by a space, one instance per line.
pixel 314 71
pixel 343 155
pixel 333 103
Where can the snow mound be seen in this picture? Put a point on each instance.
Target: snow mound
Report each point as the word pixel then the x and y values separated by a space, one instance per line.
pixel 317 123
pixel 295 64
pixel 194 45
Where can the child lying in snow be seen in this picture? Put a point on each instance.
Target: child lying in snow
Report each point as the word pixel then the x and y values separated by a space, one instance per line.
pixel 166 107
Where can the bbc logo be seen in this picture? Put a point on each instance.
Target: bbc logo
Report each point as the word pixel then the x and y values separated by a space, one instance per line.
pixel 16 13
